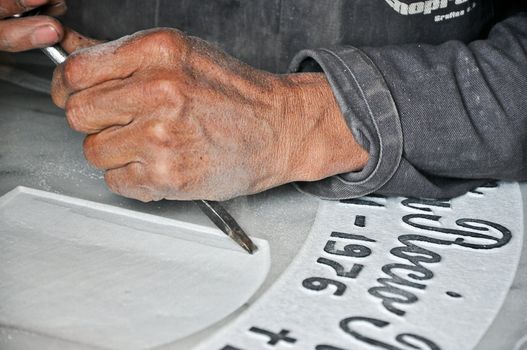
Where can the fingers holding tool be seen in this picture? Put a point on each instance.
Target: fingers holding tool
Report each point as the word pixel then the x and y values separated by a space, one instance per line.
pixel 21 34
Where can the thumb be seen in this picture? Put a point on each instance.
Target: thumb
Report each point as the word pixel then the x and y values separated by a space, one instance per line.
pixel 73 41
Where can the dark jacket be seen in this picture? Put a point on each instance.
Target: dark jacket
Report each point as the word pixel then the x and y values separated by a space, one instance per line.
pixel 434 89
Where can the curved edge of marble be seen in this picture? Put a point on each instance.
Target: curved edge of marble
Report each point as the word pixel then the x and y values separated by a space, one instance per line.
pixel 15 337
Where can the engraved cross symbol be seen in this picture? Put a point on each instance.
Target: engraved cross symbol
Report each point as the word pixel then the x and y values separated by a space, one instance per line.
pixel 273 337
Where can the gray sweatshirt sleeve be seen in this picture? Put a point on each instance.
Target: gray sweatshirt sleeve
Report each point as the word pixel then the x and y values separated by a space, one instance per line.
pixel 437 120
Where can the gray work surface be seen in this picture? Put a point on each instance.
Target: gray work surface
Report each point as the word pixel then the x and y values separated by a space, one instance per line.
pixel 38 150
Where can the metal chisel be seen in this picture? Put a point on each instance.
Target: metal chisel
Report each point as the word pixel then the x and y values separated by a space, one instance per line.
pixel 216 213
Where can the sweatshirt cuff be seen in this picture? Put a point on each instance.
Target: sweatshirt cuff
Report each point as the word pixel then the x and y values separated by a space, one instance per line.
pixel 370 112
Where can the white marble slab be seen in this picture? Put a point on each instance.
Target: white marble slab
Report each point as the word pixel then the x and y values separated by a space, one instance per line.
pixel 391 273
pixel 102 276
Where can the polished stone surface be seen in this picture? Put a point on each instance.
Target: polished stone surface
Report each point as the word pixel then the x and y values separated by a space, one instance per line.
pixel 115 278
pixel 38 150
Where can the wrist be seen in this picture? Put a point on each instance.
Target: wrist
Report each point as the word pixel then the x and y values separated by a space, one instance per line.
pixel 322 143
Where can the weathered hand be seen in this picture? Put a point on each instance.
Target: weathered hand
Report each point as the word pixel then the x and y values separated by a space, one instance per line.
pixel 170 116
pixel 22 34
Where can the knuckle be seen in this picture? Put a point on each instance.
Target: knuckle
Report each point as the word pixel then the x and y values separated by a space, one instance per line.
pixel 164 88
pixel 72 72
pixel 166 38
pixel 73 114
pixel 91 154
pixel 158 132
pixel 164 177
pixel 57 90
pixel 161 36
pixel 160 173
pixel 167 42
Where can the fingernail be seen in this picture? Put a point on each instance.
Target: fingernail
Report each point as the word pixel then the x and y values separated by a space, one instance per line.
pixel 45 35
pixel 59 4
pixel 32 3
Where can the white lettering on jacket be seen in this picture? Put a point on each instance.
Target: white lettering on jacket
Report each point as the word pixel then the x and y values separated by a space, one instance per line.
pixel 427 7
